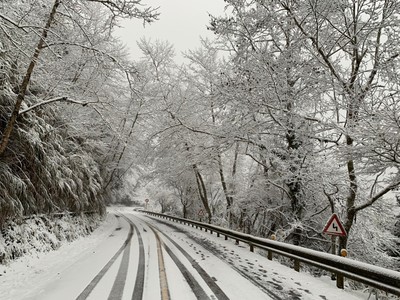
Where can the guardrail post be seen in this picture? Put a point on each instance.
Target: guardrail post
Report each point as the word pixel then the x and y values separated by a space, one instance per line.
pixel 226 237
pixel 297 265
pixel 269 255
pixel 251 248
pixel 339 281
pixel 339 276
pixel 217 234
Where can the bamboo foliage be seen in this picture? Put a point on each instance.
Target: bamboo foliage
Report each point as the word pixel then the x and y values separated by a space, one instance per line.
pixel 54 54
pixel 49 173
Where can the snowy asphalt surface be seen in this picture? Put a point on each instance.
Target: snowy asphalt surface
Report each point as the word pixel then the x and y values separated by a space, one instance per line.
pixel 132 256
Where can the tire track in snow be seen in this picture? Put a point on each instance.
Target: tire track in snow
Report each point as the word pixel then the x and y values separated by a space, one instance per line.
pixel 194 285
pixel 119 283
pixel 139 282
pixel 92 284
pixel 161 267
pixel 196 288
pixel 217 253
pixel 206 277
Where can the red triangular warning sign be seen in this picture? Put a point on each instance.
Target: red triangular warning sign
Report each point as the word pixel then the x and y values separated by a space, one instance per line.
pixel 334 226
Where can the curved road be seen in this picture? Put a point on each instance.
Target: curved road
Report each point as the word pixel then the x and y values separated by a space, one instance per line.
pixel 149 258
pixel 152 264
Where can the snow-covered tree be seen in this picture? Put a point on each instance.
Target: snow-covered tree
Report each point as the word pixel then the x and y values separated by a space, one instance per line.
pixel 64 53
pixel 315 84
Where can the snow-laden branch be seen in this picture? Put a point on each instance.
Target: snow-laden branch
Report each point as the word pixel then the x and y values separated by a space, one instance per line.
pixel 199 131
pixel 130 9
pixel 12 22
pixel 377 196
pixel 268 180
pixel 315 43
pixel 58 99
pixel 103 53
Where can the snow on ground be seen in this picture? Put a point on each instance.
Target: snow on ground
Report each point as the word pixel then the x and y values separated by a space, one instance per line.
pixel 64 273
pixel 26 276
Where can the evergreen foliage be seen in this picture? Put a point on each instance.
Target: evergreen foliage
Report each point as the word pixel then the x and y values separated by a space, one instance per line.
pixel 64 84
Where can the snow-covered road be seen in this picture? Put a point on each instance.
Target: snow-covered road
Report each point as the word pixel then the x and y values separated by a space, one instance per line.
pixel 132 256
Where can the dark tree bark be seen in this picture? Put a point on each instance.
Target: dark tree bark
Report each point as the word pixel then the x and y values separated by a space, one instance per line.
pixel 202 192
pixel 27 79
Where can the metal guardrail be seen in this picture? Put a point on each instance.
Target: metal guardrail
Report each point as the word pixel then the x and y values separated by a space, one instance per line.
pixel 377 277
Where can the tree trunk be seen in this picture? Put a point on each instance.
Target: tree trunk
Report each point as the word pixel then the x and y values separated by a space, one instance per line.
pixel 184 211
pixel 232 185
pixel 294 182
pixel 202 192
pixel 122 151
pixel 229 199
pixel 351 198
pixel 26 80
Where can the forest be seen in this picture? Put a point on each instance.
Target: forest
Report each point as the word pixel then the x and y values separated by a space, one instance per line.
pixel 289 115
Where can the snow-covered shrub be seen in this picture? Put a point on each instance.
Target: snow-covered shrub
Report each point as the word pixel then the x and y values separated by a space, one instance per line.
pixel 372 240
pixel 43 233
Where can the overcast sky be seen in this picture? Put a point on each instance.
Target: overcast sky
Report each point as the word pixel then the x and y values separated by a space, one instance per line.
pixel 181 22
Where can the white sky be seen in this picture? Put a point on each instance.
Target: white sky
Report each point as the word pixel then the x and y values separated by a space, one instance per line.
pixel 181 23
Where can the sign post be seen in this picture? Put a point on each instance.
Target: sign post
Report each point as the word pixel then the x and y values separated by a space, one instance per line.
pixel 146 202
pixel 335 228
